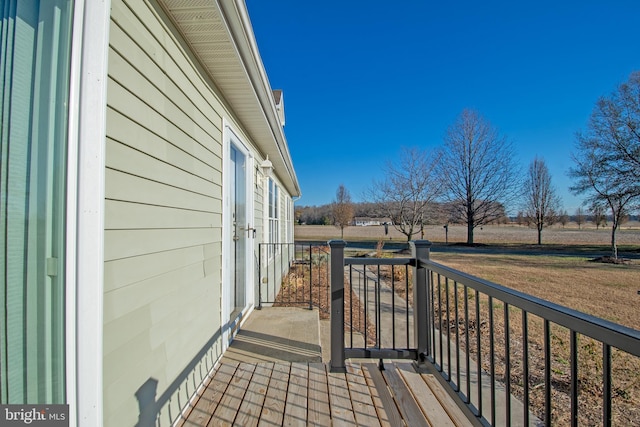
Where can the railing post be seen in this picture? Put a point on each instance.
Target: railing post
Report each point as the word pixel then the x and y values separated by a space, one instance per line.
pixel 420 251
pixel 337 306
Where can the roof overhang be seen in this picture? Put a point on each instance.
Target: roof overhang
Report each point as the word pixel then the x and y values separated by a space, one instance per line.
pixel 220 35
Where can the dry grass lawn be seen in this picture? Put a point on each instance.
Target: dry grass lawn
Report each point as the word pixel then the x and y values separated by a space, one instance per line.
pixel 629 234
pixel 603 290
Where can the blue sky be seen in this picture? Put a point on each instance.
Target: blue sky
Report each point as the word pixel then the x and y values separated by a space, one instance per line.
pixel 361 79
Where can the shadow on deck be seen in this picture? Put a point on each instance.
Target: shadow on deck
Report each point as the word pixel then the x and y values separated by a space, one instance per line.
pixel 272 375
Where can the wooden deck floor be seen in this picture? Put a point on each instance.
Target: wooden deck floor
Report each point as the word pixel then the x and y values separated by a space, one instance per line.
pixel 282 393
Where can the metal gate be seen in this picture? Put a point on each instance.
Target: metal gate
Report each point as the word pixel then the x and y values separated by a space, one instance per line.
pixel 293 274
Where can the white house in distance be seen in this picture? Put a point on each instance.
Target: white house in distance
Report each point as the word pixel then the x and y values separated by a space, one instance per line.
pixel 142 161
pixel 362 221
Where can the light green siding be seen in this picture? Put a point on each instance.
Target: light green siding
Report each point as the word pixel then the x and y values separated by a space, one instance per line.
pixel 163 218
pixel 163 251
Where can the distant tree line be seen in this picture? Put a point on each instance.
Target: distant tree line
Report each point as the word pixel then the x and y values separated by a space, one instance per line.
pixel 442 214
pixel 439 214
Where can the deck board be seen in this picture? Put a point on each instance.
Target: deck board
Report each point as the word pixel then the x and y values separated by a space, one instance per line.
pixel 318 404
pixel 409 409
pixel 296 404
pixel 208 401
pixel 286 393
pixel 251 408
pixel 436 415
pixel 386 398
pixel 225 413
pixel 340 402
pixel 362 402
pixel 274 403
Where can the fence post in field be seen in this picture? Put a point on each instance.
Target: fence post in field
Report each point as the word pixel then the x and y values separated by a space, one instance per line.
pixel 420 251
pixel 337 305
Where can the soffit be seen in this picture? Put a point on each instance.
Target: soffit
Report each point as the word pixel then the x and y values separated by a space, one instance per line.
pixel 206 28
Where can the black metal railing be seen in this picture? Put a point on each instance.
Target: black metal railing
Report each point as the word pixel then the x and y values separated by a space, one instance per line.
pixel 510 358
pixel 293 274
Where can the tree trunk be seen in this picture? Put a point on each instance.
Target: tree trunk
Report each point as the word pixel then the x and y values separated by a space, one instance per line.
pixel 469 233
pixel 470 221
pixel 614 245
pixel 539 235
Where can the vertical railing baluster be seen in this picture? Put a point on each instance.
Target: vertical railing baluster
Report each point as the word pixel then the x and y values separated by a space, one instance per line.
pixel 606 385
pixel 507 366
pixel 525 365
pixel 479 354
pixel 467 349
pixel 448 340
pixel 429 314
pixel 351 303
pixel 259 276
pixel 376 293
pixel 492 365
pixel 547 373
pixel 393 304
pixel 433 318
pixel 281 269
pixel 441 359
pixel 326 266
pixel 457 349
pixel 366 308
pixel 406 304
pixel 311 278
pixel 337 306
pixel 574 377
pixel 379 312
pixel 272 267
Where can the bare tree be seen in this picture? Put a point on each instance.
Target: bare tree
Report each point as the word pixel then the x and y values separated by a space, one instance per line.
pixel 598 215
pixel 541 204
pixel 478 170
pixel 563 218
pixel 407 193
pixel 580 217
pixel 607 155
pixel 342 209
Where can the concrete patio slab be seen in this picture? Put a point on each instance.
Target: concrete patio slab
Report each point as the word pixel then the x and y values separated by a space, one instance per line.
pixel 277 334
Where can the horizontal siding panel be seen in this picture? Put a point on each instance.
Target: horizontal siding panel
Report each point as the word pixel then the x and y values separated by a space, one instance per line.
pixel 117 363
pixel 122 301
pixel 128 243
pixel 128 104
pixel 177 66
pixel 121 407
pixel 169 101
pixel 126 187
pixel 126 131
pixel 171 321
pixel 128 63
pixel 126 159
pixel 127 271
pixel 127 215
pixel 126 328
pixel 171 341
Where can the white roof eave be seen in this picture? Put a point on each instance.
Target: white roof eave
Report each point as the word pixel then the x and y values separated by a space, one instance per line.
pixel 232 46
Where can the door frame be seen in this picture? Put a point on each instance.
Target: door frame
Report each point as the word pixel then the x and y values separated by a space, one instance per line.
pixel 231 325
